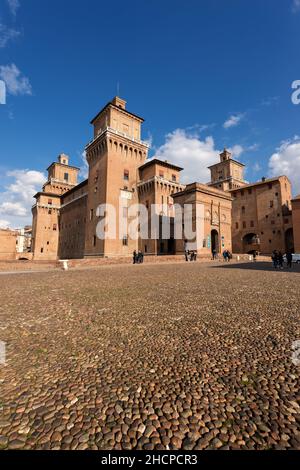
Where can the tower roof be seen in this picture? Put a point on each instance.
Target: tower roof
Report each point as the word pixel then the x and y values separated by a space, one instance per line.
pixel 156 161
pixel 117 103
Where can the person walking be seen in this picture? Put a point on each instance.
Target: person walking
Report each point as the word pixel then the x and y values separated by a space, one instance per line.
pixel 140 257
pixel 214 254
pixel 274 258
pixel 186 251
pixel 280 260
pixel 289 259
pixel 134 257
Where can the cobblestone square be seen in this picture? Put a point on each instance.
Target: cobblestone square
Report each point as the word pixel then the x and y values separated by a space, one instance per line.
pixel 163 356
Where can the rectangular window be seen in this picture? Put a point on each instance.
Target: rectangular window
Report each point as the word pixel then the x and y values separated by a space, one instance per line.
pixel 161 174
pixel 91 214
pixel 174 178
pixel 42 250
pixel 236 225
pixel 66 176
pixel 145 248
pixel 271 204
pixel 54 226
pixel 244 225
pixel 50 202
pixel 94 240
pixel 126 175
pixel 125 240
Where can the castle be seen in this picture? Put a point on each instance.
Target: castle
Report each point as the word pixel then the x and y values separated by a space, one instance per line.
pixel 234 215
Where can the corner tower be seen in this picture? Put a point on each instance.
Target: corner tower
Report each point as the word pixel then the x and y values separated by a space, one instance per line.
pixel 113 156
pixel 45 223
pixel 228 173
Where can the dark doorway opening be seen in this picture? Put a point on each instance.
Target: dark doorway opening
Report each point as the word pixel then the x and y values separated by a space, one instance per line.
pixel 214 241
pixel 251 243
pixel 289 240
pixel 171 246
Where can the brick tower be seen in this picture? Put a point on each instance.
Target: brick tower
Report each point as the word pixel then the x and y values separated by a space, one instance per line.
pixel 228 173
pixel 45 225
pixel 114 155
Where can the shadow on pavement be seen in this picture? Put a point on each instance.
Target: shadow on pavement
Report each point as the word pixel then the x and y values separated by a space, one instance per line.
pixel 257 266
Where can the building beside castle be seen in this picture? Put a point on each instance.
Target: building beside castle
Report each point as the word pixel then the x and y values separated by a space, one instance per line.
pixel 261 212
pixel 296 222
pixel 227 213
pixel 15 243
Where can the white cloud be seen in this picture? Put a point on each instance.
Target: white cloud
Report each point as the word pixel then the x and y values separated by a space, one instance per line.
pixel 286 161
pixel 256 167
pixel 16 83
pixel 189 151
pixel 13 208
pixel 13 6
pixel 192 153
pixel 253 147
pixel 17 198
pixel 198 128
pixel 4 223
pixel 296 6
pixel 233 121
pixel 236 150
pixel 7 34
pixel 84 168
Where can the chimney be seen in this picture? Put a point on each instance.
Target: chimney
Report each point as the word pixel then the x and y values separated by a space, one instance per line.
pixel 63 159
pixel 119 102
pixel 225 155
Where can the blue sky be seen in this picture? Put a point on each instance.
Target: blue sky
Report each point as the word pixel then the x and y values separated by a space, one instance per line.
pixel 203 73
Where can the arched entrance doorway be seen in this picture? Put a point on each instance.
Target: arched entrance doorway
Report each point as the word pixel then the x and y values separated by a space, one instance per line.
pixel 289 240
pixel 251 243
pixel 214 241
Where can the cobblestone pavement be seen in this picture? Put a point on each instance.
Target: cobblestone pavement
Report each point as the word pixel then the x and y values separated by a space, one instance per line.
pixel 170 356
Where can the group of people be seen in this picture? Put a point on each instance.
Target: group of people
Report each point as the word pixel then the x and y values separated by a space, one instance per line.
pixel 138 257
pixel 278 259
pixel 227 256
pixel 190 255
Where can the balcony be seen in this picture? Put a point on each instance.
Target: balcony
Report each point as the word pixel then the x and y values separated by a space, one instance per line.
pixel 118 133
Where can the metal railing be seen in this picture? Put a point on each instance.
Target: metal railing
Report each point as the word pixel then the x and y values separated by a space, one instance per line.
pixel 119 133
